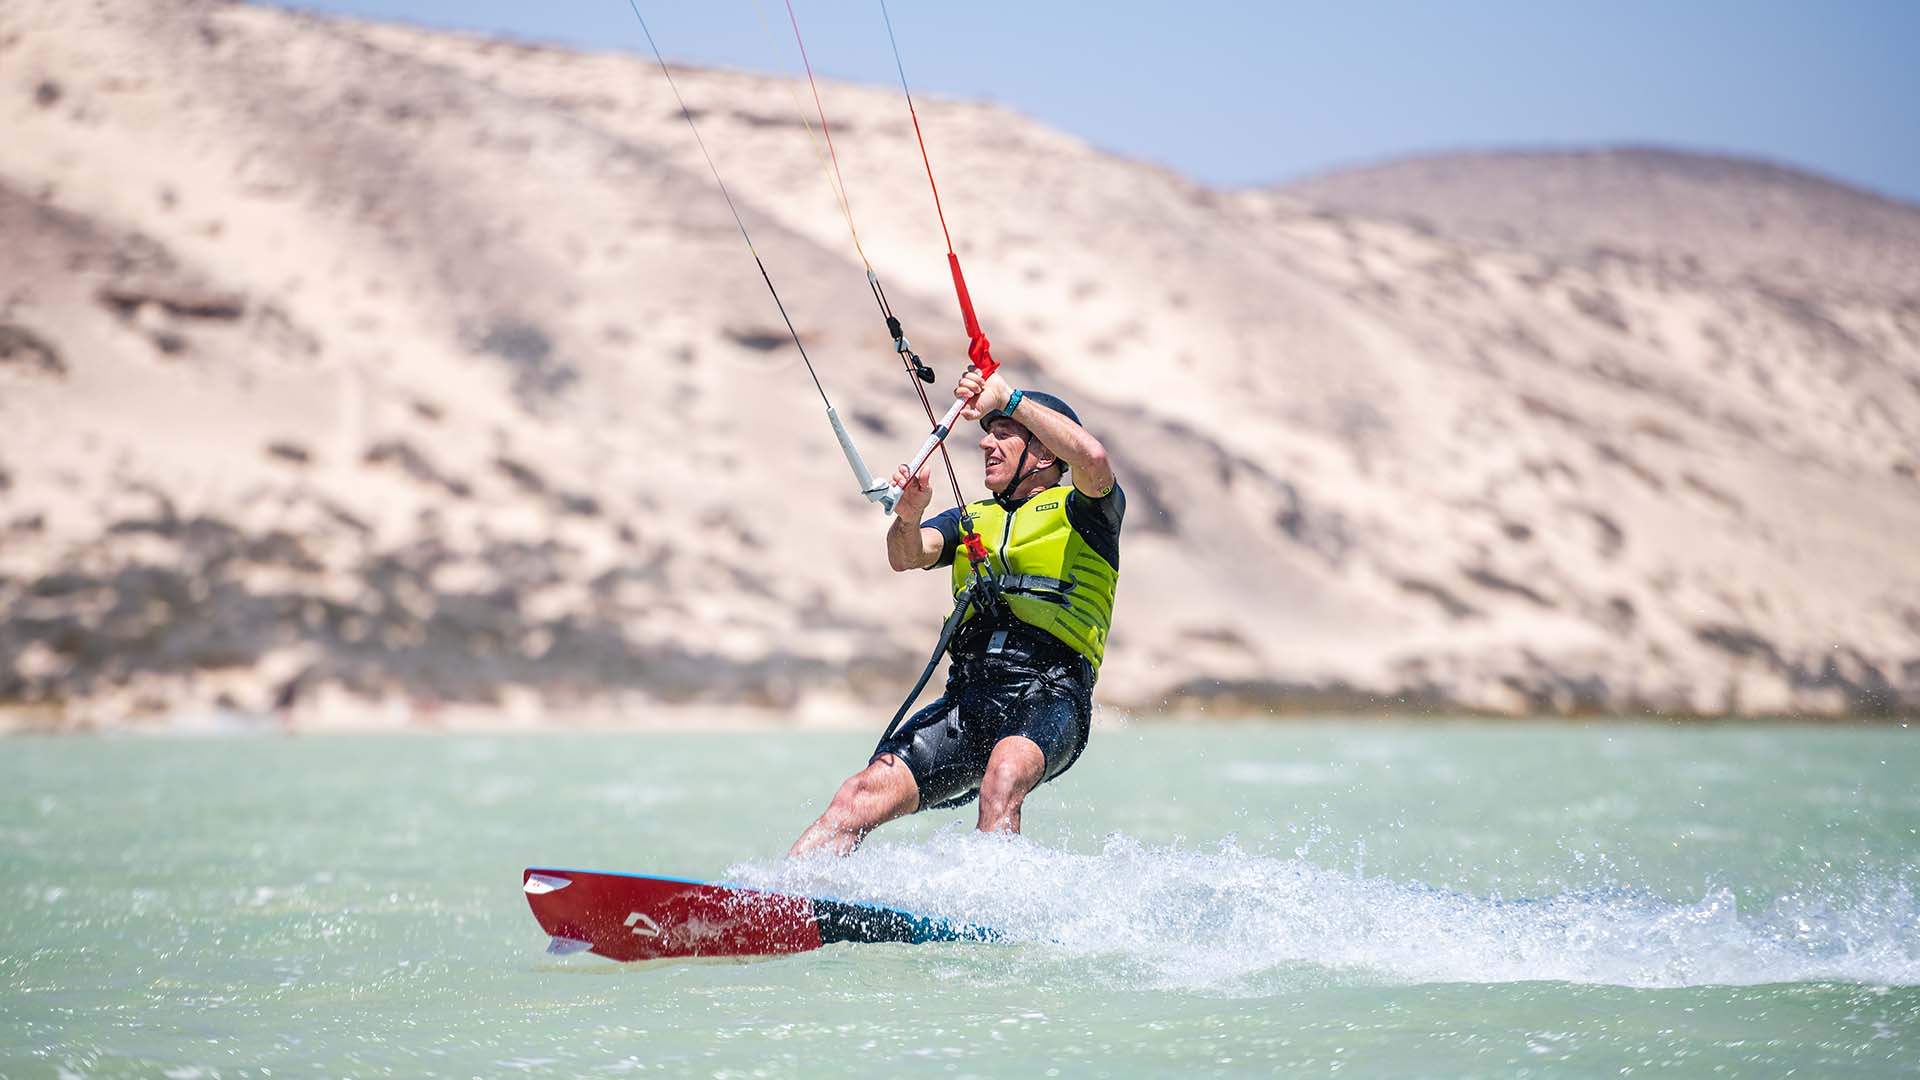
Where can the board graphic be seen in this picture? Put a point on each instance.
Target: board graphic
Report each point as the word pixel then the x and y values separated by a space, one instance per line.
pixel 637 917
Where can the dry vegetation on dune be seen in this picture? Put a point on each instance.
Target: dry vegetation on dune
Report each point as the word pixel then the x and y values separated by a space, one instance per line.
pixel 343 362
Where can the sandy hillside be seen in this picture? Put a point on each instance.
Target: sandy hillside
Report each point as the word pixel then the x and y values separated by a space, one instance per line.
pixel 350 367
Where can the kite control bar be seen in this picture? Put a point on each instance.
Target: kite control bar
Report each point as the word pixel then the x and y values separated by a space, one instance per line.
pixel 940 431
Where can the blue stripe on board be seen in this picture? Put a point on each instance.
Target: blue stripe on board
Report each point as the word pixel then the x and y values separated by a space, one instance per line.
pixel 643 877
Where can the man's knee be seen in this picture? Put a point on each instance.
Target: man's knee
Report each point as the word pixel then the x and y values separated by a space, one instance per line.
pixel 883 787
pixel 882 791
pixel 1015 768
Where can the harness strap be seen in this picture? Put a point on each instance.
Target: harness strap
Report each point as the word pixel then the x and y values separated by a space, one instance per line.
pixel 1039 586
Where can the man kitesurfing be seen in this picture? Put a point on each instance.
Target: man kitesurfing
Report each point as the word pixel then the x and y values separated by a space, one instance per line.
pixel 1033 599
pixel 1029 628
pixel 1033 603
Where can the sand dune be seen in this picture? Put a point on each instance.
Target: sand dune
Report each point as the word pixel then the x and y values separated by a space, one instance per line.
pixel 361 370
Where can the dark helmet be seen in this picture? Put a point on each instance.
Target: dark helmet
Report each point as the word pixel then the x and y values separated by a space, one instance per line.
pixel 1043 398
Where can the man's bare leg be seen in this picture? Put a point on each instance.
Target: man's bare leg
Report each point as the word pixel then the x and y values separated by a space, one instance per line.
pixel 1015 768
pixel 870 798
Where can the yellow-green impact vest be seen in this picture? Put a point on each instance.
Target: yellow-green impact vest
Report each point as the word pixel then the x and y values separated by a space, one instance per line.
pixel 1052 578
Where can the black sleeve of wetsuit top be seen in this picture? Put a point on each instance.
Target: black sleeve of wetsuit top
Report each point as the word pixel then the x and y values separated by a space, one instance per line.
pixel 948 522
pixel 1098 520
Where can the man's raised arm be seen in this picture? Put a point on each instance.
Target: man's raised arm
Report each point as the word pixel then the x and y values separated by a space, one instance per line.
pixel 1092 473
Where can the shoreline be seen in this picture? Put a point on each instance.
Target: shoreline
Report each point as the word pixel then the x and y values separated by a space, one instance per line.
pixel 387 718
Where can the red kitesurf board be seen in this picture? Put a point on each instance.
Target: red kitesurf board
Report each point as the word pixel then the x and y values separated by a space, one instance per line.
pixel 632 917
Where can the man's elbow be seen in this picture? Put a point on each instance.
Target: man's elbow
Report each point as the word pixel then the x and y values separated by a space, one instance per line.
pixel 1094 465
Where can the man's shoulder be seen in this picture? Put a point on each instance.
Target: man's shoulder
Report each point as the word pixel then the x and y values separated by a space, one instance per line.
pixel 1109 508
pixel 1097 520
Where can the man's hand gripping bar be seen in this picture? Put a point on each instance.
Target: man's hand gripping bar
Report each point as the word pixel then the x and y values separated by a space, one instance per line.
pixel 939 433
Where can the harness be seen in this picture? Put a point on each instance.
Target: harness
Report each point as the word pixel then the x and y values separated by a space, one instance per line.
pixel 1071 610
pixel 983 594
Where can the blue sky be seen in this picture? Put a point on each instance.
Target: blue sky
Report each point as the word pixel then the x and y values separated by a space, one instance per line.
pixel 1251 93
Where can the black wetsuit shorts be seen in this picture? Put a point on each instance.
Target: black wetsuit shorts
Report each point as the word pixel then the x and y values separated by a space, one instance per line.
pixel 1001 683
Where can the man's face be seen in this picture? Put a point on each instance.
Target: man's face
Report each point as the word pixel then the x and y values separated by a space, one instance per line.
pixel 1002 443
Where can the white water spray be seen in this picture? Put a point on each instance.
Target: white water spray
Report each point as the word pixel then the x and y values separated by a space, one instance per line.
pixel 1229 921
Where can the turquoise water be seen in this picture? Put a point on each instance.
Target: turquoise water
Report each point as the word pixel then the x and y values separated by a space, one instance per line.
pixel 1353 899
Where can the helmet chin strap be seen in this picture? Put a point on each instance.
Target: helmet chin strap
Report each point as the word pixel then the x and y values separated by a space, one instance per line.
pixel 1020 474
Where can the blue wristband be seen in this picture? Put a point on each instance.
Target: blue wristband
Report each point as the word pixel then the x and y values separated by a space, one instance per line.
pixel 1013 402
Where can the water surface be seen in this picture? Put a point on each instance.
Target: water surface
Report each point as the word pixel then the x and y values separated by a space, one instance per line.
pixel 1359 899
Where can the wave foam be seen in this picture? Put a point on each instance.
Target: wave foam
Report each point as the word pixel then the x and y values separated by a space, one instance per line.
pixel 1232 921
